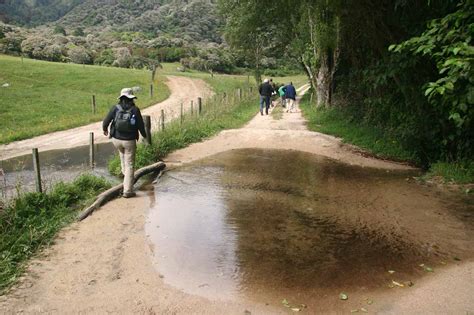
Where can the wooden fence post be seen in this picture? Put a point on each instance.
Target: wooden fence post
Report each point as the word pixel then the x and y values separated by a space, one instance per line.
pixel 192 108
pixel 239 93
pixel 199 105
pixel 153 72
pixel 162 123
pixel 36 165
pixel 151 90
pixel 182 114
pixel 147 122
pixel 93 104
pixel 91 150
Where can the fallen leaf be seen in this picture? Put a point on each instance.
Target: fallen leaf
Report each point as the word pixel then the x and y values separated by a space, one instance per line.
pixel 443 263
pixel 354 311
pixel 391 286
pixel 370 302
pixel 343 296
pixel 391 271
pixel 296 309
pixel 362 309
pixel 397 283
pixel 428 269
pixel 421 265
pixel 457 258
pixel 285 303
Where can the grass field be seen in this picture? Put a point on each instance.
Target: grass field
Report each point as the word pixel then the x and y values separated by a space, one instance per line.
pixel 224 82
pixel 45 96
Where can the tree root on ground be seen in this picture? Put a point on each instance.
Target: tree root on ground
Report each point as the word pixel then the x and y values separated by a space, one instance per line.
pixel 115 191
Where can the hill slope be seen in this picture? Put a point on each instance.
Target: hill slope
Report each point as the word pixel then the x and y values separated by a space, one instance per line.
pixel 190 20
pixel 35 12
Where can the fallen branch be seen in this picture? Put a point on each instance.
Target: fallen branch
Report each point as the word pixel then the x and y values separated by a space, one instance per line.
pixel 115 191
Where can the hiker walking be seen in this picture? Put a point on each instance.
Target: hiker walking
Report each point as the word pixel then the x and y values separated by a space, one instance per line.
pixel 281 92
pixel 290 96
pixel 125 122
pixel 265 91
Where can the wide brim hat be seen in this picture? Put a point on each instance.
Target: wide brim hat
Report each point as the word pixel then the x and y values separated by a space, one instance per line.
pixel 127 92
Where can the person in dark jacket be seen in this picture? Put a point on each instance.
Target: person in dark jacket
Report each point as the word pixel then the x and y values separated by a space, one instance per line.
pixel 290 95
pixel 265 91
pixel 125 122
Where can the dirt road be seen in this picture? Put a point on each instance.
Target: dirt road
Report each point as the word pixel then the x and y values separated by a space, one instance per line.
pixel 183 90
pixel 104 264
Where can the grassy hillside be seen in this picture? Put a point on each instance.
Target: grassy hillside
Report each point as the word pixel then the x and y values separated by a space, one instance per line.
pixel 224 82
pixel 43 96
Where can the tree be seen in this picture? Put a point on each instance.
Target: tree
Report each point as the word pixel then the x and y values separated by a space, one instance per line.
pixel 78 31
pixel 448 43
pixel 58 29
pixel 79 55
pixel 247 31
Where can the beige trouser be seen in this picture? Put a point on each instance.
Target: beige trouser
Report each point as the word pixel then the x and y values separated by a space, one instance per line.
pixel 290 104
pixel 126 150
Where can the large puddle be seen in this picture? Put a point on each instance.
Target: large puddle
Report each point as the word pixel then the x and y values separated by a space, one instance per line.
pixel 268 225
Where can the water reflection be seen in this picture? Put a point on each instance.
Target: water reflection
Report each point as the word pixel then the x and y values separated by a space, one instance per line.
pixel 270 224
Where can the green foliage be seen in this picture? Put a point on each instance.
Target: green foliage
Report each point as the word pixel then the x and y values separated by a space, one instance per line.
pixel 45 97
pixel 455 172
pixel 366 136
pixel 448 43
pixel 33 220
pixel 78 31
pixel 58 29
pixel 27 12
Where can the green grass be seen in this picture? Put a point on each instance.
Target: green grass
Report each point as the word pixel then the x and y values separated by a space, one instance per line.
pixel 225 82
pixel 32 221
pixel 215 117
pixel 455 172
pixel 335 122
pixel 47 96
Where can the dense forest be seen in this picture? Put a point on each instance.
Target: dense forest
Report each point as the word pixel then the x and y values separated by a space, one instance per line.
pixel 118 33
pixel 403 66
pixel 34 12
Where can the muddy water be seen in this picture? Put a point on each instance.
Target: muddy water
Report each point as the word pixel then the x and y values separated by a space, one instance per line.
pixel 268 225
pixel 55 165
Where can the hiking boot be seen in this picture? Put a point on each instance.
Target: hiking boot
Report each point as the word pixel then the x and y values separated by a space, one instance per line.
pixel 129 194
pixel 261 113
